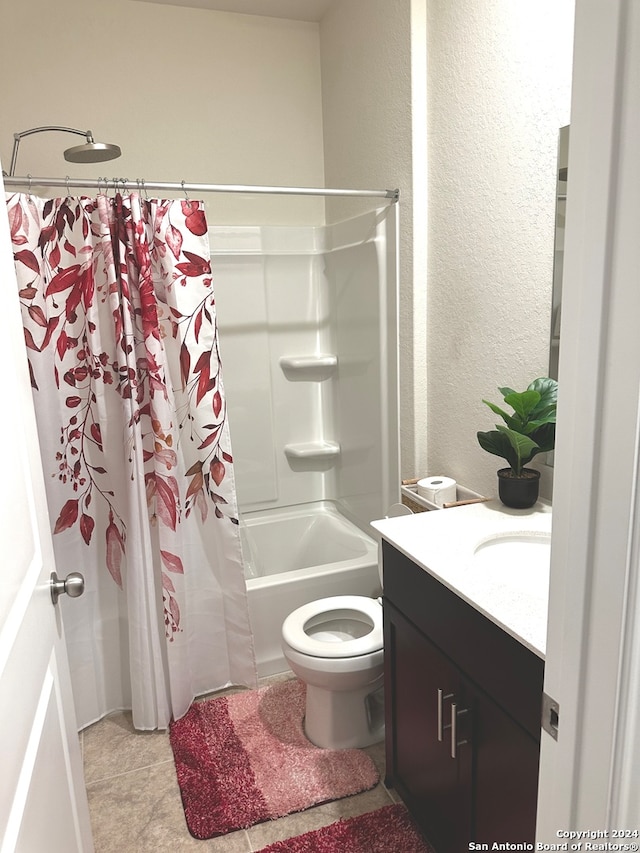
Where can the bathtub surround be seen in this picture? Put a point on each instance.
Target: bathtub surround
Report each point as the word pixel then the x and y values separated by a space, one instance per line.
pixel 386 829
pixel 120 328
pixel 244 759
pixel 308 339
pixel 307 323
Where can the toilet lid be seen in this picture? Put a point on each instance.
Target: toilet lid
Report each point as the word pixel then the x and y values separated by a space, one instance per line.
pixel 336 627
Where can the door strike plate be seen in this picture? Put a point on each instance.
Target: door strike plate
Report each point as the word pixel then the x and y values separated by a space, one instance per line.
pixel 550 716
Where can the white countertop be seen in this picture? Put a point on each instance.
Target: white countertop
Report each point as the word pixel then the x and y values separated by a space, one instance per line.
pixel 443 542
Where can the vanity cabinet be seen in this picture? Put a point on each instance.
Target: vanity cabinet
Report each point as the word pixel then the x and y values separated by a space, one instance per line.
pixel 463 704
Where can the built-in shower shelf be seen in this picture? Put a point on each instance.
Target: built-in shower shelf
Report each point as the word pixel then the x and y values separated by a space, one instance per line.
pixel 313 450
pixel 306 367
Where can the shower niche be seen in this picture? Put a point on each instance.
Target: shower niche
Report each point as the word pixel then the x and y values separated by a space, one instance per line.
pixel 310 368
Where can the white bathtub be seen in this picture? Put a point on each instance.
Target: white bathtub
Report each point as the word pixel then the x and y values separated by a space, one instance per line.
pixel 294 556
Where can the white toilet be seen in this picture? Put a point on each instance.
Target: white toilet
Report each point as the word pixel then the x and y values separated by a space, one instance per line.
pixel 335 645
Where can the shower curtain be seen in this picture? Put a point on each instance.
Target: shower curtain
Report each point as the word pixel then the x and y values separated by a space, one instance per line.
pixel 120 327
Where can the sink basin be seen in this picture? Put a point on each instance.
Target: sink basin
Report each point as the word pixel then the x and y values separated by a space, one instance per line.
pixel 519 560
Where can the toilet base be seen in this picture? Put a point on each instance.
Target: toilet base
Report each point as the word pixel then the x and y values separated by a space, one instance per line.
pixel 345 719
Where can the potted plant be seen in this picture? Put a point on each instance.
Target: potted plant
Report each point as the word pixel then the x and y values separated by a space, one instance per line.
pixel 530 430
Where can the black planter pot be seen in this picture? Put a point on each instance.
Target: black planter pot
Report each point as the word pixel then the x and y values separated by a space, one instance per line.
pixel 518 492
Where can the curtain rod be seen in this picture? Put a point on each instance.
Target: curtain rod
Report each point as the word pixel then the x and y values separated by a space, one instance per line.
pixel 182 186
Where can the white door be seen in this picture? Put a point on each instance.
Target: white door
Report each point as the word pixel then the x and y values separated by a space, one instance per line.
pixel 589 777
pixel 43 802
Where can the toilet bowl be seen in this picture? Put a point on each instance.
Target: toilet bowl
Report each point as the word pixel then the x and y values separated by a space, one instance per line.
pixel 335 645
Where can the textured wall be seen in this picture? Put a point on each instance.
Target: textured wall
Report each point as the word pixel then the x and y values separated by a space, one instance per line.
pixel 499 77
pixel 187 93
pixel 474 313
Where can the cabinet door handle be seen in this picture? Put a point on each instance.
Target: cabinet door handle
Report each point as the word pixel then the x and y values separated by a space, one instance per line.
pixel 455 743
pixel 441 696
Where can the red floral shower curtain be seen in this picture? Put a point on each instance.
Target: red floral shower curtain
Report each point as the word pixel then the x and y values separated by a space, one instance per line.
pixel 120 326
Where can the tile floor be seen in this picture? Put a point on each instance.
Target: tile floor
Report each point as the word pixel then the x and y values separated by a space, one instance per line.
pixel 135 802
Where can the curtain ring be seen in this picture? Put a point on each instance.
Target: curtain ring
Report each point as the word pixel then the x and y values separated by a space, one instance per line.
pixel 29 186
pixel 66 181
pixel 144 187
pixel 185 192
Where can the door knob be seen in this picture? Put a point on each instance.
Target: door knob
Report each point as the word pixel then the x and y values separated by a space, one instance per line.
pixel 72 585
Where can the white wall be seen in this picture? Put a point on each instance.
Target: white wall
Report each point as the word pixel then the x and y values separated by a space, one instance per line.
pixel 499 80
pixel 367 119
pixel 188 94
pixel 200 95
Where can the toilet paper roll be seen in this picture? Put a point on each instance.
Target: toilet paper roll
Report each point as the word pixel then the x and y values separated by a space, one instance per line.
pixel 438 490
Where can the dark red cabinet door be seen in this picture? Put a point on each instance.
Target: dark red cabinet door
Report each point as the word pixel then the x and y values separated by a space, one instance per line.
pixel 506 775
pixel 435 786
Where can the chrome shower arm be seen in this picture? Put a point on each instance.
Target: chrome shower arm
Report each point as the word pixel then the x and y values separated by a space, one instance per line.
pixel 18 136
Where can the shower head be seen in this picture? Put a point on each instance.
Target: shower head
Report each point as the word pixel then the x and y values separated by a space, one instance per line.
pixel 92 152
pixel 89 152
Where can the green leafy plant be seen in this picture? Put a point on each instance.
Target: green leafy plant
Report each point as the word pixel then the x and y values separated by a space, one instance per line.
pixel 530 430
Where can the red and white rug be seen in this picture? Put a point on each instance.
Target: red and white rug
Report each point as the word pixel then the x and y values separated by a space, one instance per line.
pixel 386 830
pixel 243 759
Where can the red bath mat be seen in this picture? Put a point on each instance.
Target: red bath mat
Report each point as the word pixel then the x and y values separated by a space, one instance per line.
pixel 385 830
pixel 243 759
